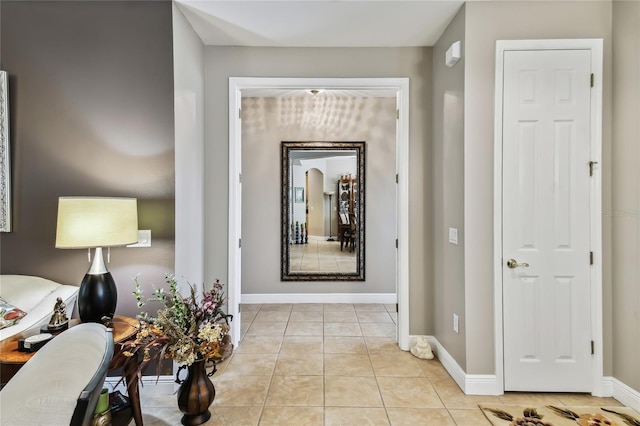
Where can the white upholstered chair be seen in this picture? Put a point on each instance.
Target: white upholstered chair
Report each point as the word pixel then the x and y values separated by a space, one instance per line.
pixel 60 385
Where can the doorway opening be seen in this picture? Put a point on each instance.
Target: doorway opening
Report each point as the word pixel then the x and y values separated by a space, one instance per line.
pixel 393 87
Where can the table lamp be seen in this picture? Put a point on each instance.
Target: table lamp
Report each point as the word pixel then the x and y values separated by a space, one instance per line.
pixel 96 222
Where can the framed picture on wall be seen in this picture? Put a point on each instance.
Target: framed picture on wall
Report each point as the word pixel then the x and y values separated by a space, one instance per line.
pixel 5 158
pixel 299 194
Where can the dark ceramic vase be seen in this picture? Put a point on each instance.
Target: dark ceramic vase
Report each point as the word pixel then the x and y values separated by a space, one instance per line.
pixel 196 394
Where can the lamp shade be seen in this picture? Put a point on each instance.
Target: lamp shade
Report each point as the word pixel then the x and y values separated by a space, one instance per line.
pixel 85 222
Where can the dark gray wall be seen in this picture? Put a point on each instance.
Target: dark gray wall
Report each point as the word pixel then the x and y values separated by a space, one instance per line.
pixel 91 104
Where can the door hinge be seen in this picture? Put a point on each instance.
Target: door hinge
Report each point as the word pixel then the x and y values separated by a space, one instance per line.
pixel 591 164
pixel 240 177
pixel 590 258
pixel 397 178
pixel 592 80
pixel 397 308
pixel 239 242
pixel 396 243
pixel 593 347
pixel 398 114
pixel 239 114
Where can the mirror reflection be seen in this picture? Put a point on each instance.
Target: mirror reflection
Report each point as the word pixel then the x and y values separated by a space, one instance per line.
pixel 322 215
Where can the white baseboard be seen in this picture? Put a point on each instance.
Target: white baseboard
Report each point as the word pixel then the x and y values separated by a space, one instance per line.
pixel 448 362
pixel 481 384
pixel 252 299
pixel 621 392
pixel 165 385
pixel 471 384
pixel 486 384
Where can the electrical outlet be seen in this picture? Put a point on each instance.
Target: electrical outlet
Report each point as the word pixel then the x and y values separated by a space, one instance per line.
pixel 455 323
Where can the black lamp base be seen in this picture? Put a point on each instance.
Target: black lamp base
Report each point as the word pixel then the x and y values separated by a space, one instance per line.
pixel 97 298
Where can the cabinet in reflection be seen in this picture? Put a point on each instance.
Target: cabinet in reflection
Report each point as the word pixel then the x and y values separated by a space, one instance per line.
pixel 347 207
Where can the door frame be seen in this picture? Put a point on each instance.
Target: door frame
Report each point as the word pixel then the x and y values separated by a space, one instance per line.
pixel 595 46
pixel 397 86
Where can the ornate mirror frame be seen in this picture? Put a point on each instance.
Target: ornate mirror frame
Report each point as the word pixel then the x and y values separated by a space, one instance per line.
pixel 286 202
pixel 5 158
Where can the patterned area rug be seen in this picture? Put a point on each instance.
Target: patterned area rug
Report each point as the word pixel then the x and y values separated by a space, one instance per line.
pixel 549 415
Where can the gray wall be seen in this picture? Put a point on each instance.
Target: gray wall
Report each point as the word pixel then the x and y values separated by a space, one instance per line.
pixel 448 190
pixel 188 66
pixel 91 114
pixel 480 24
pixel 624 209
pixel 487 22
pixel 268 121
pixel 415 63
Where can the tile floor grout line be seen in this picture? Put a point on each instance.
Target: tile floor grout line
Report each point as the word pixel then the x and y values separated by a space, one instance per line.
pixel 384 405
pixel 266 394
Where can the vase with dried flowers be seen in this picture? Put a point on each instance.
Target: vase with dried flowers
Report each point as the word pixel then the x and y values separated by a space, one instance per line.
pixel 190 330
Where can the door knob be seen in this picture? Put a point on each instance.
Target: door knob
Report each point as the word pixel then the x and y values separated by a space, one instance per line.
pixel 512 263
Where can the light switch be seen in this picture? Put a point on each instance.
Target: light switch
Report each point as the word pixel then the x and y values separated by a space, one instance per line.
pixel 453 235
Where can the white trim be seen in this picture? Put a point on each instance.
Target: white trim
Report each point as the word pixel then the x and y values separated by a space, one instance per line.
pixel 386 298
pixel 606 386
pixel 402 255
pixel 595 214
pixel 621 392
pixel 398 85
pixel 235 211
pixel 471 384
pixel 163 385
pixel 595 46
pixel 448 362
pixel 481 384
pixel 498 340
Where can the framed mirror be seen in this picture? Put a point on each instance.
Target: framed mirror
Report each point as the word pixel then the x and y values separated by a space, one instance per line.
pixel 323 211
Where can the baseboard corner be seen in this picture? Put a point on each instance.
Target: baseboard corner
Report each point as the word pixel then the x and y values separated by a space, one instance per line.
pixel 622 392
pixel 470 384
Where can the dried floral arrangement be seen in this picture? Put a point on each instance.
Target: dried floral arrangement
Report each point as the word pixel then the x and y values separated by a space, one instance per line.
pixel 187 329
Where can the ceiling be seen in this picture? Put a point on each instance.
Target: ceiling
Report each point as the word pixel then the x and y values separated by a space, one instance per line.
pixel 320 23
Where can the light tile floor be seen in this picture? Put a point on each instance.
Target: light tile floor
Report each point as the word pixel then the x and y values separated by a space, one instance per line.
pixel 337 364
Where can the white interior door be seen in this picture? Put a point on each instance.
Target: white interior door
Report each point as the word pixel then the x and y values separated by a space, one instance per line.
pixel 546 207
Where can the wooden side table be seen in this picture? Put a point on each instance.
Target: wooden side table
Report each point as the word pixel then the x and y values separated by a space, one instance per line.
pixel 124 328
pixel 129 327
